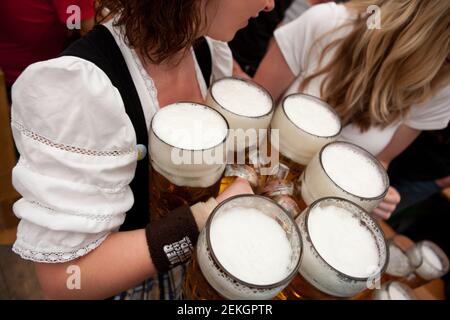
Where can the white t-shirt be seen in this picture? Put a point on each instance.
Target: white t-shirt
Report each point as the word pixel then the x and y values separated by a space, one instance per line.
pixel 295 41
pixel 78 151
pixel 295 10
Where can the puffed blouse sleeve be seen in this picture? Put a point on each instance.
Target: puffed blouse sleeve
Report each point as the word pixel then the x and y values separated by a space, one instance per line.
pixel 77 157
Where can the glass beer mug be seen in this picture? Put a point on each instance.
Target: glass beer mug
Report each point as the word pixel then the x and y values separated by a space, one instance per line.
pixel 250 249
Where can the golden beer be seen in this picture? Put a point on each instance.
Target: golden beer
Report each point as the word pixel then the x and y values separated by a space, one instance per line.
pixel 167 196
pixel 196 287
pixel 233 257
pixel 300 289
pixel 186 164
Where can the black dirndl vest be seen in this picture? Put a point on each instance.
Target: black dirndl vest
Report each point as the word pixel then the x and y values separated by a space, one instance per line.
pixel 100 48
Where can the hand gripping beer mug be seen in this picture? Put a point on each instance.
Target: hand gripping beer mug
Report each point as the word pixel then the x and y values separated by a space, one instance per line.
pixel 344 251
pixel 431 263
pixel 250 249
pixel 305 125
pixel 188 156
pixel 248 109
pixel 344 170
pixel 394 290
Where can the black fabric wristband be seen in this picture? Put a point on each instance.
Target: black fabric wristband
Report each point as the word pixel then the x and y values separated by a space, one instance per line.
pixel 171 240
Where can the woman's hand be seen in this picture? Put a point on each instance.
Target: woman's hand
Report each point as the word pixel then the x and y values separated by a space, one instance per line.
pixel 388 205
pixel 202 210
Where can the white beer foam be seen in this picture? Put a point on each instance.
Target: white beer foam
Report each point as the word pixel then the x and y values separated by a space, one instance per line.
pixel 431 258
pixel 353 171
pixel 189 126
pixel 241 98
pixel 398 264
pixel 312 116
pixel 342 241
pixel 397 293
pixel 251 246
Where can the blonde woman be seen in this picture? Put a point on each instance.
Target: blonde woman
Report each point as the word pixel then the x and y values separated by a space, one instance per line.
pixel 387 84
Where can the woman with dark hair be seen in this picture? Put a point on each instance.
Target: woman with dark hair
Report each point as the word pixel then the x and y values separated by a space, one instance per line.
pixel 77 121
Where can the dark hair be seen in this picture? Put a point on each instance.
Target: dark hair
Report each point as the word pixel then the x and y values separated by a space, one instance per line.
pixel 158 29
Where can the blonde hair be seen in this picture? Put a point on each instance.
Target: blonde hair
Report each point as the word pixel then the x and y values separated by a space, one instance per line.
pixel 376 75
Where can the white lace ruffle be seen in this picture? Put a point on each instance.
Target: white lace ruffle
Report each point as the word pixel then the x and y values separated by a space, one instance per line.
pixel 54 257
pixel 149 83
pixel 38 138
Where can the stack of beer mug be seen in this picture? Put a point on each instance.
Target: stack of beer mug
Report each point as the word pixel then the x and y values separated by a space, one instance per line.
pixel 310 234
pixel 248 109
pixel 411 265
pixel 344 250
pixel 305 124
pixel 430 263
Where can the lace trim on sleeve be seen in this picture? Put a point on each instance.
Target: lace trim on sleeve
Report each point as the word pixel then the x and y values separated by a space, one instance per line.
pixel 54 257
pixel 38 138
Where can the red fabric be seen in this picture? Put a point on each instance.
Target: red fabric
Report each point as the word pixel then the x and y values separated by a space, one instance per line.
pixel 34 30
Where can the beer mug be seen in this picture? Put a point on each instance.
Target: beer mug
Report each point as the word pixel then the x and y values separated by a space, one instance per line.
pixel 399 265
pixel 344 251
pixel 250 249
pixel 186 163
pixel 394 290
pixel 431 263
pixel 305 125
pixel 248 109
pixel 344 170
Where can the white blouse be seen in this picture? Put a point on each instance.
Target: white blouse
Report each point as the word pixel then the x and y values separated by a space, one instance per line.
pixel 78 151
pixel 295 40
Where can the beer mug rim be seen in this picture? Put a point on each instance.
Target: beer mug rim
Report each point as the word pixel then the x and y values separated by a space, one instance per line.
pixel 412 264
pixel 315 99
pixel 401 286
pixel 200 105
pixel 294 271
pixel 250 82
pixel 382 236
pixel 379 166
pixel 442 256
